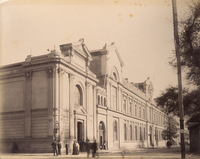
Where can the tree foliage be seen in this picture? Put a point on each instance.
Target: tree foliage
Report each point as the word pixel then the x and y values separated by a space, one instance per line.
pixel 189 39
pixel 171 129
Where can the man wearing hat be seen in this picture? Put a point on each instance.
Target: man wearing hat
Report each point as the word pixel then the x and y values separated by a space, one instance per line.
pixel 87 146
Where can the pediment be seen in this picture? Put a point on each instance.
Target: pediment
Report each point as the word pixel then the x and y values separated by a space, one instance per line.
pixel 113 47
pixel 76 47
pixel 80 110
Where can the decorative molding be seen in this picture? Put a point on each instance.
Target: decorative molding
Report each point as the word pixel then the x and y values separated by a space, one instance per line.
pixel 50 72
pixel 71 76
pixel 88 84
pixel 29 74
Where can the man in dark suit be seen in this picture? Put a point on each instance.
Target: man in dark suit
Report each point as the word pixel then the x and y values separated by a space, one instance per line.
pixel 59 147
pixel 94 148
pixel 54 146
pixel 87 147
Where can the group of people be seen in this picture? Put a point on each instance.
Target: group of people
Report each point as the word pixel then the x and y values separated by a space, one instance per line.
pixel 56 145
pixel 77 146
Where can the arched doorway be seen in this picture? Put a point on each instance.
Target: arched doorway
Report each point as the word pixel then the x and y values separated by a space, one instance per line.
pixel 101 133
pixel 79 131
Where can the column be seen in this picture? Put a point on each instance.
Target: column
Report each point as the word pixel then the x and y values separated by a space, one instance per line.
pixel 111 106
pixel 71 111
pixel 94 112
pixel 118 98
pixel 75 126
pixel 50 75
pixel 56 109
pixel 87 85
pixel 28 103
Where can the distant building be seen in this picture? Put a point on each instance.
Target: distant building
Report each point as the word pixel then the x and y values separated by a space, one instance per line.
pixel 194 129
pixel 76 94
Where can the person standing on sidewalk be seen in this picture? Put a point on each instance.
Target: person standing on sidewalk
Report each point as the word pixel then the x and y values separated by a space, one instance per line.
pixel 94 148
pixel 87 147
pixel 59 147
pixel 66 146
pixel 54 146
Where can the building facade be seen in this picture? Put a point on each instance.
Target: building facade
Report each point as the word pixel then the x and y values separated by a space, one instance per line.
pixel 76 94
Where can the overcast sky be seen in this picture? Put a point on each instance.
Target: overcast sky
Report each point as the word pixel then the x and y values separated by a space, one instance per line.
pixel 141 29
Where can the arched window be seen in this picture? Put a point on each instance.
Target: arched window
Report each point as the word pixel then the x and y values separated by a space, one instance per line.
pixel 115 130
pixel 101 126
pixel 131 132
pixel 125 136
pixel 77 96
pixel 135 132
pixel 114 76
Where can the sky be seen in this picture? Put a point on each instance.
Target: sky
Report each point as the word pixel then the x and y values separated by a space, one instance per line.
pixel 141 29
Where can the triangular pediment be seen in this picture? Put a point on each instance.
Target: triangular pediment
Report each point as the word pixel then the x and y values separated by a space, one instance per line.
pixel 76 47
pixel 80 110
pixel 114 48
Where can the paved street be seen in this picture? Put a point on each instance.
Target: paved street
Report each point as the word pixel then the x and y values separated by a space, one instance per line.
pixel 158 153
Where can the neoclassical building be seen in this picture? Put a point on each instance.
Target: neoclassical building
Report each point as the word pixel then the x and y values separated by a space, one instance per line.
pixel 74 94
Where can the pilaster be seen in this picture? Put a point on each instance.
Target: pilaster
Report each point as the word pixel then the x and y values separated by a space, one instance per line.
pixel 94 112
pixel 71 112
pixel 50 75
pixel 28 102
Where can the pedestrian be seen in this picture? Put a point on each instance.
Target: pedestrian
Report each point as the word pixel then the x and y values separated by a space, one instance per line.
pixel 169 144
pixel 54 146
pixel 59 148
pixel 67 147
pixel 104 145
pixel 15 148
pixel 77 147
pixel 94 148
pixel 83 144
pixel 74 148
pixel 87 147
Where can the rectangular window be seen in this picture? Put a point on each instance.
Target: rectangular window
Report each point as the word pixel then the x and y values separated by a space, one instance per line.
pixel 124 105
pixel 115 130
pixel 125 137
pixel 130 108
pixel 131 133
pixel 114 95
pixel 135 110
pixel 140 112
pixel 144 116
pixel 150 114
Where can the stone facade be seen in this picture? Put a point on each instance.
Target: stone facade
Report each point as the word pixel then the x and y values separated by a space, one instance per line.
pixel 76 94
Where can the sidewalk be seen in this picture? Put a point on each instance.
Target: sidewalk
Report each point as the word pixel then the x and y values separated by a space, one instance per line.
pixel 158 153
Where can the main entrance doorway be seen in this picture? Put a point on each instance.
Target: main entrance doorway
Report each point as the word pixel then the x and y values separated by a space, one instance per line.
pixel 79 131
pixel 101 134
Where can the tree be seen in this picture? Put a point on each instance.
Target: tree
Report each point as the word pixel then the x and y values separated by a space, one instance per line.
pixel 189 39
pixel 170 131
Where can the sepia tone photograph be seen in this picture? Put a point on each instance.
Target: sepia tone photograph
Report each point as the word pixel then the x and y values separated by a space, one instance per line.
pixel 100 79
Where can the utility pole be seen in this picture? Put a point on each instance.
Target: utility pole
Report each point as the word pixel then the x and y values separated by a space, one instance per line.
pixel 180 94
